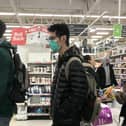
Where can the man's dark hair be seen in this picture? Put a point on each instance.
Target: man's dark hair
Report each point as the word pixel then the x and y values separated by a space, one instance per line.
pixel 87 58
pixel 60 30
pixel 2 28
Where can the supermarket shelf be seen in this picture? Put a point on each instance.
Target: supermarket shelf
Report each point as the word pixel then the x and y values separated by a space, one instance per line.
pixel 44 94
pixel 90 54
pixel 39 105
pixel 120 68
pixel 120 74
pixel 119 55
pixel 33 73
pixel 118 62
pixel 46 63
pixel 39 84
pixel 38 114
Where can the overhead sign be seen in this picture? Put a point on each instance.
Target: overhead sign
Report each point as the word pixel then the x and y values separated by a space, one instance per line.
pixel 18 36
pixel 117 30
pixel 76 29
pixel 36 34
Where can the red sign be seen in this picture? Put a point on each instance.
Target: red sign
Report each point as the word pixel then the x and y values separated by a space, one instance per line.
pixel 37 29
pixel 18 36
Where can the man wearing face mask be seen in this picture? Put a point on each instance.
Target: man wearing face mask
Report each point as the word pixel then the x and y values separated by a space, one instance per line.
pixel 68 96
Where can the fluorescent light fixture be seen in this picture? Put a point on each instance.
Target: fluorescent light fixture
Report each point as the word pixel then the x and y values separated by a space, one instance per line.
pixel 13 26
pixel 115 17
pixel 7 13
pixel 92 16
pixel 17 26
pixel 48 15
pixel 8 37
pixel 96 37
pixel 8 31
pixel 92 30
pixel 104 29
pixel 102 33
pixel 69 15
pixel 60 15
pixel 7 34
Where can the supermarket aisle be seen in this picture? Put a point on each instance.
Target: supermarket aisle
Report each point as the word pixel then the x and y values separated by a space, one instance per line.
pixel 45 123
pixel 115 113
pixel 32 123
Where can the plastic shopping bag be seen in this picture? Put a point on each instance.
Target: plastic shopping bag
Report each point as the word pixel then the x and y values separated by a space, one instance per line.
pixel 105 116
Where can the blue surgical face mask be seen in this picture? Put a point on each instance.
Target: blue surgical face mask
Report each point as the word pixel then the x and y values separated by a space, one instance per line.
pixel 54 46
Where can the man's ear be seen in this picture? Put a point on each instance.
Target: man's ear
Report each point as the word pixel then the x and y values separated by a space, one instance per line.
pixel 63 38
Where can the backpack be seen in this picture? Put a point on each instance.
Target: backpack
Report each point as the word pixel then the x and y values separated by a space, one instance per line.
pixel 91 108
pixel 18 88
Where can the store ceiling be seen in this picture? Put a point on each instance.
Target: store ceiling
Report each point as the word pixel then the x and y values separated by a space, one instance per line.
pixel 61 7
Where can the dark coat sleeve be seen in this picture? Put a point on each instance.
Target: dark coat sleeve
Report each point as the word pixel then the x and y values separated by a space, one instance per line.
pixel 123 111
pixel 4 72
pixel 113 79
pixel 100 73
pixel 79 85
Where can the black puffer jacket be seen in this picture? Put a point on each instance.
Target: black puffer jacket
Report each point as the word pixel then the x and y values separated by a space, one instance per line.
pixel 68 96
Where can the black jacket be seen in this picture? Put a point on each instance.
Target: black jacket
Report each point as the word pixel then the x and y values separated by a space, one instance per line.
pixel 101 77
pixel 123 111
pixel 123 114
pixel 68 96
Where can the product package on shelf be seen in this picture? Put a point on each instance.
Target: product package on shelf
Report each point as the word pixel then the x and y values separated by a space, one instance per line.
pixel 21 111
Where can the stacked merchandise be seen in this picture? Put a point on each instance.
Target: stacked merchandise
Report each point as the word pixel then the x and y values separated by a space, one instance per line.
pixel 40 76
pixel 118 60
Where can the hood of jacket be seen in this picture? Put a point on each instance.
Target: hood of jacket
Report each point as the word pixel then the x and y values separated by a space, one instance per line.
pixel 72 52
pixel 87 65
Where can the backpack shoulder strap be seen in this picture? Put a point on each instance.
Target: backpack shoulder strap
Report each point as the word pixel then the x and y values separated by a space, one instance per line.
pixel 68 65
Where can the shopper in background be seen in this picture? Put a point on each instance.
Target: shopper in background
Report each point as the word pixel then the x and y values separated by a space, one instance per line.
pixel 90 60
pixel 6 79
pixel 68 96
pixel 106 74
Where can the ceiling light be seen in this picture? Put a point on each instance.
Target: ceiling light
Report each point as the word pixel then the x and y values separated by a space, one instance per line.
pixel 7 13
pixel 92 30
pixel 13 26
pixel 7 34
pixel 104 29
pixel 60 15
pixel 95 37
pixel 17 26
pixel 102 33
pixel 8 31
pixel 48 15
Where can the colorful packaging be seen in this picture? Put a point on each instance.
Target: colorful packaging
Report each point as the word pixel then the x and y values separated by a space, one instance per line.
pixel 105 116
